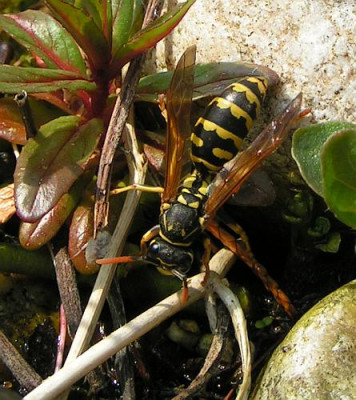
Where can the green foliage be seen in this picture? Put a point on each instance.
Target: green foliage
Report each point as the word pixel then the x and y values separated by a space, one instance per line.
pixel 78 50
pixel 326 157
pixel 51 162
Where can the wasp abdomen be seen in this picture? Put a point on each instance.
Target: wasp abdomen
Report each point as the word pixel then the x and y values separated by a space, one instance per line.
pixel 218 135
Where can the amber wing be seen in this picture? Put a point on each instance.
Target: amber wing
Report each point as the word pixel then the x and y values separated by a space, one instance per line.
pixel 234 173
pixel 179 100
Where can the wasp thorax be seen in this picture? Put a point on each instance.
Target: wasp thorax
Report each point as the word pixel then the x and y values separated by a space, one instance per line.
pixel 173 259
pixel 179 224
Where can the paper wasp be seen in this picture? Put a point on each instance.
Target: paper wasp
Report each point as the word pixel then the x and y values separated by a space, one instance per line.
pixel 218 170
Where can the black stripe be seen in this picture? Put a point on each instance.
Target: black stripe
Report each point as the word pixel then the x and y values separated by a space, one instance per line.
pixel 211 141
pixel 227 121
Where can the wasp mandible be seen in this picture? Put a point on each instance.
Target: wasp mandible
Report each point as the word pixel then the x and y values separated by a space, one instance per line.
pixel 218 170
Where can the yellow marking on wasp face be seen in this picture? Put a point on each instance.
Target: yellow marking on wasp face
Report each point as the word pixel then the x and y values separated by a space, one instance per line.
pixel 209 166
pixel 220 153
pixel 222 133
pixel 164 271
pixel 235 110
pixel 196 140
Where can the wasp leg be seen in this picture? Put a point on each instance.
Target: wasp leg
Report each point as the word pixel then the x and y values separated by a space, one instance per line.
pixel 147 237
pixel 236 228
pixel 205 260
pixel 248 258
pixel 136 186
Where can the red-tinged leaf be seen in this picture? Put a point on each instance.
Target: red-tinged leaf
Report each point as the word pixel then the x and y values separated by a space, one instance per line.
pixel 33 235
pixel 51 162
pixel 101 13
pixel 82 248
pixel 83 28
pixel 45 38
pixel 7 203
pixel 81 230
pixel 127 20
pixel 148 37
pixel 12 128
pixel 39 80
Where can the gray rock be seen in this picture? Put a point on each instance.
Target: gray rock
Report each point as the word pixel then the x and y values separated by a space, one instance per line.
pixel 317 359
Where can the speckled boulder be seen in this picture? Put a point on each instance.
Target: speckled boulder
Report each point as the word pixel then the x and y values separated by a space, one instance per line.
pixel 317 359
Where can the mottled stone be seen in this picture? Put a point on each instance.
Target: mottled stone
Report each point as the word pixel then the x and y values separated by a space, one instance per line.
pixel 311 44
pixel 317 359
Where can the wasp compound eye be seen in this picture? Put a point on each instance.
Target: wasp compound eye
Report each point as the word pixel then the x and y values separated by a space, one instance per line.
pixel 154 248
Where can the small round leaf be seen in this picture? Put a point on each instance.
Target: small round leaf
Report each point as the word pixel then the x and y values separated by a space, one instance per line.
pixel 338 166
pixel 307 146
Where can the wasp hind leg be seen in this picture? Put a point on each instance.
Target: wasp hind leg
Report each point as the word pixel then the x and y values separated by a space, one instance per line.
pixel 245 254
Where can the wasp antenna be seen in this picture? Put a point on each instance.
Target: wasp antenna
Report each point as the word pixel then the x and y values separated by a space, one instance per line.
pixel 118 260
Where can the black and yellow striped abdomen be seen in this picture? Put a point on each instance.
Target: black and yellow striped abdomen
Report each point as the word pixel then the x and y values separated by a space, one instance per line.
pixel 216 139
pixel 218 135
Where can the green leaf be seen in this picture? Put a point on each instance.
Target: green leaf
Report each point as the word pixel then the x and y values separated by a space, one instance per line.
pixel 338 165
pixel 332 245
pixel 306 149
pixel 85 31
pixel 45 38
pixel 127 20
pixel 209 79
pixel 51 162
pixel 148 37
pixel 15 259
pixel 39 80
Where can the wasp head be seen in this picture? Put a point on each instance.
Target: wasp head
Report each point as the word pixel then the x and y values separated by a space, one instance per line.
pixel 169 258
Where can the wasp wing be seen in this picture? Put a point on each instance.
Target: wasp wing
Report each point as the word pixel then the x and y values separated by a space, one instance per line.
pixel 234 173
pixel 179 100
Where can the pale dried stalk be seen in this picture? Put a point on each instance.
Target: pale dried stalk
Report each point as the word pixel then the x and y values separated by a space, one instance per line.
pixel 106 274
pixel 97 354
pixel 239 323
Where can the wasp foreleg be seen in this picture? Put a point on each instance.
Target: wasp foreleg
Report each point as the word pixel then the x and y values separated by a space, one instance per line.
pixel 136 186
